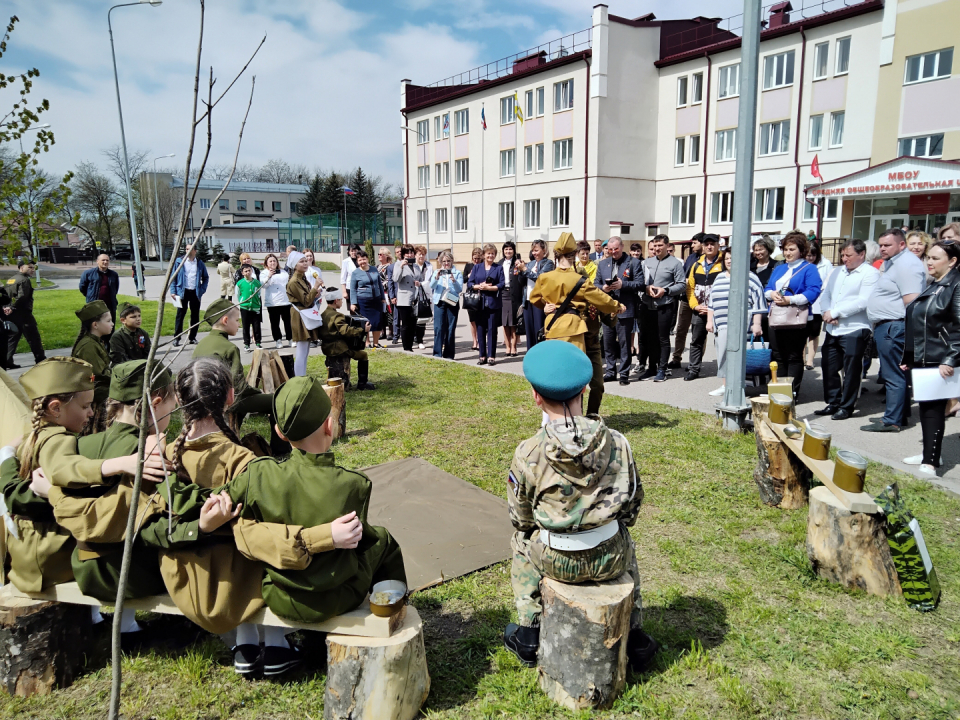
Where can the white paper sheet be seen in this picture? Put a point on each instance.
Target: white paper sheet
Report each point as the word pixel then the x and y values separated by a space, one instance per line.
pixel 928 385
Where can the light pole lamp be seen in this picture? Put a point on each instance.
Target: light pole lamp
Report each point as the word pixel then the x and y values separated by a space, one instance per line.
pixel 137 269
pixel 426 199
pixel 156 203
pixel 33 238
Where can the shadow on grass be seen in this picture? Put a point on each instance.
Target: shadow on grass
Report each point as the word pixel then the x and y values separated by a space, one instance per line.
pixel 638 420
pixel 685 625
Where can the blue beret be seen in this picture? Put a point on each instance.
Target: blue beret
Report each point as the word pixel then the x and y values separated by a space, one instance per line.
pixel 557 370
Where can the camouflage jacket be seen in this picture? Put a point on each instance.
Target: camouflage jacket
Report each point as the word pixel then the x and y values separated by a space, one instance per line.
pixel 567 482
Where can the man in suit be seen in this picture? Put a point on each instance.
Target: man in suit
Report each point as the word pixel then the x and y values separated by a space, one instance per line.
pixel 621 277
pixel 597 254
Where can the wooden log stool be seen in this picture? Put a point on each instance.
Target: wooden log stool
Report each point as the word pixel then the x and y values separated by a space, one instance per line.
pixel 377 678
pixel 582 661
pixel 781 476
pixel 40 644
pixel 849 548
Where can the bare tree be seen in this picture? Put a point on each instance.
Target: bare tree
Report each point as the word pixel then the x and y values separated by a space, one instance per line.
pixel 139 161
pixel 156 193
pixel 98 204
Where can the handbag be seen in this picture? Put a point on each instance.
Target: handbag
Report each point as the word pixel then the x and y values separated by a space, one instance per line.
pixel 421 304
pixel 758 358
pixel 542 335
pixel 472 300
pixel 310 317
pixel 788 316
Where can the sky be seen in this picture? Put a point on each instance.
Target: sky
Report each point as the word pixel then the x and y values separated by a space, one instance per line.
pixel 327 79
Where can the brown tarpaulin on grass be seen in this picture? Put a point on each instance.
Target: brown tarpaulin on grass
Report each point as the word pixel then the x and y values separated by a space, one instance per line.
pixel 446 527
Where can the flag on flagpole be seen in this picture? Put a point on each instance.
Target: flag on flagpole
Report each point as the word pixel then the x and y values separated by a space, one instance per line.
pixel 516 107
pixel 346 190
pixel 483 119
pixel 815 168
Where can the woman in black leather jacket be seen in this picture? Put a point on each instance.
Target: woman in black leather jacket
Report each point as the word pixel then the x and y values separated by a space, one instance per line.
pixel 932 339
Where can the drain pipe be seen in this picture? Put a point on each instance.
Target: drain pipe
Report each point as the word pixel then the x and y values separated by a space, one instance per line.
pixel 703 144
pixel 586 155
pixel 796 134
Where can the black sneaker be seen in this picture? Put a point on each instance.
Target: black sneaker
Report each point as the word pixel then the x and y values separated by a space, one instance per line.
pixel 640 650
pixel 674 365
pixel 522 642
pixel 193 341
pixel 247 660
pixel 366 386
pixel 647 374
pixel 176 343
pixel 609 378
pixel 691 376
pixel 280 660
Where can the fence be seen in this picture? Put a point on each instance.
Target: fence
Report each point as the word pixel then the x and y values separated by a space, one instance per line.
pixel 325 233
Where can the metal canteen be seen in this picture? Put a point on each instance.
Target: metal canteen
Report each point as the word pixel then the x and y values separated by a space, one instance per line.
pixel 850 471
pixel 816 442
pixel 780 409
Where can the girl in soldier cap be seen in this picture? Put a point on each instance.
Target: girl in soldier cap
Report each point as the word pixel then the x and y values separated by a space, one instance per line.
pixel 96 323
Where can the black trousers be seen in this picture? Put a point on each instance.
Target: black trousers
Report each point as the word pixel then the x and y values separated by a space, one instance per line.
pixel 28 328
pixel 616 345
pixel 698 341
pixel 189 300
pixel 932 423
pixel 843 353
pixel 260 403
pixel 278 314
pixel 408 326
pixel 787 350
pixel 250 320
pixel 655 334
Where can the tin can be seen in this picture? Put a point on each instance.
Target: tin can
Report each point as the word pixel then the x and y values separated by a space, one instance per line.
pixel 780 409
pixel 816 442
pixel 850 471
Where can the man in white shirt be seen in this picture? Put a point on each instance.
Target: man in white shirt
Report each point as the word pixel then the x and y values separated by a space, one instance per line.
pixel 844 300
pixel 190 279
pixel 346 270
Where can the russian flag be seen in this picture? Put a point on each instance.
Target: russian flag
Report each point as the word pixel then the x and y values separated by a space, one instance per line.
pixel 346 190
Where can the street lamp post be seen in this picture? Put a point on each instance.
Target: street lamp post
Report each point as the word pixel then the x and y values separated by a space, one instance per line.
pixel 33 238
pixel 156 203
pixel 137 269
pixel 426 199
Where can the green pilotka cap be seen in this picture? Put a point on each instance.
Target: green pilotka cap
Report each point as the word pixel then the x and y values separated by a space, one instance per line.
pixel 126 382
pixel 216 310
pixel 92 311
pixel 57 376
pixel 300 406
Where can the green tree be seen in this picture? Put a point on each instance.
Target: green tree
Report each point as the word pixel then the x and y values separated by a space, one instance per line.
pixel 217 251
pixel 311 202
pixel 203 252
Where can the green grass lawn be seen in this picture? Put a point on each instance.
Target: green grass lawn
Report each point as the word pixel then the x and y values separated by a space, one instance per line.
pixel 747 630
pixel 329 266
pixel 54 311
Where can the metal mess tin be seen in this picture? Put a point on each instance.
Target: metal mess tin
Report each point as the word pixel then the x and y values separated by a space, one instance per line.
pixel 816 442
pixel 780 409
pixel 387 597
pixel 850 471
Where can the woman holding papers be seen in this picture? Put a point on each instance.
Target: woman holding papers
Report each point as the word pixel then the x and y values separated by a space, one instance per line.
pixel 932 341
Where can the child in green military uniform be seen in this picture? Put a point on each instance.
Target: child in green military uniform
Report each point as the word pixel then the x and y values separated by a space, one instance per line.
pixel 573 492
pixel 96 323
pixel 129 342
pixel 248 298
pixel 223 317
pixel 341 342
pixel 307 489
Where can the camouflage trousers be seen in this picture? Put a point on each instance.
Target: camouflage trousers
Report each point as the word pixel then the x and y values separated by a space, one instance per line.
pixel 532 561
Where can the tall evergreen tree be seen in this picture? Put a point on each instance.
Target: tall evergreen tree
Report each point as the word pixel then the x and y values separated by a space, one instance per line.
pixel 311 203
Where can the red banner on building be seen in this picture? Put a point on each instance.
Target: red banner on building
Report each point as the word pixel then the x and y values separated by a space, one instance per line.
pixel 932 204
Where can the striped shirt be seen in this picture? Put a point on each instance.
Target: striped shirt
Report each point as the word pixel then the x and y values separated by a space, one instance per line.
pixel 720 295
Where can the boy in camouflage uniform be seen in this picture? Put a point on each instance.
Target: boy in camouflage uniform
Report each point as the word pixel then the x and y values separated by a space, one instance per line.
pixel 573 493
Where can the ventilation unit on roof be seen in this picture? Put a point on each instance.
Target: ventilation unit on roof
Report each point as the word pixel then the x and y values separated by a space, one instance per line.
pixel 780 14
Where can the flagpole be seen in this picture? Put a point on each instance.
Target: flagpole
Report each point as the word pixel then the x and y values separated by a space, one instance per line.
pixel 516 170
pixel 483 137
pixel 451 167
pixel 344 216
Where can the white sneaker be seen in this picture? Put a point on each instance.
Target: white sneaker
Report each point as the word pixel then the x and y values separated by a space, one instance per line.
pixel 279 344
pixel 246 348
pixel 928 470
pixel 421 346
pixel 913 460
pixel 718 392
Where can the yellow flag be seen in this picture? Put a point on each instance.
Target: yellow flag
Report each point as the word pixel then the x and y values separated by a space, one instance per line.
pixel 516 108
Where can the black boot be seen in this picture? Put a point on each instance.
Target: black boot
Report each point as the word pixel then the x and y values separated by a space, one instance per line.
pixel 363 367
pixel 640 650
pixel 522 642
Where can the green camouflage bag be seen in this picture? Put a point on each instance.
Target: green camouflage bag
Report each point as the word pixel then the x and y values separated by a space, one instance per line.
pixel 918 579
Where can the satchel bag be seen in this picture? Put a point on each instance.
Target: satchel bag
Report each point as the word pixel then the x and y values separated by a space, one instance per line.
pixel 788 316
pixel 421 304
pixel 758 358
pixel 311 317
pixel 472 300
pixel 542 335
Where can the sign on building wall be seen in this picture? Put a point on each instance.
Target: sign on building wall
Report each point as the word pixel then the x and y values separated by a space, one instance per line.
pixel 903 176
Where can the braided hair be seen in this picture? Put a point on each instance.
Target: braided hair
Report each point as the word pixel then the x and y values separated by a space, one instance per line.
pixel 28 463
pixel 202 388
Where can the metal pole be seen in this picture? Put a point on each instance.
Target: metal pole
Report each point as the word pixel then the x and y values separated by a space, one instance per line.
pixel 483 135
pixel 450 168
pixel 137 270
pixel 734 408
pixel 156 204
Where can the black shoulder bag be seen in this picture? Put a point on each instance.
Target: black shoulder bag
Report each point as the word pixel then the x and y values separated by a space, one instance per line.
pixel 561 310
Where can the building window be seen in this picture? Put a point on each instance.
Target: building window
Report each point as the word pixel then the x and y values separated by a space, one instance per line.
pixel 538 151
pixel 461 122
pixel 442 174
pixel 560 211
pixel 423 177
pixel 721 208
pixel 696 90
pixel 930 66
pixel 423 131
pixel 820 53
pixel 540 101
pixel 774 138
pixel 460 218
pixel 778 70
pixel 436 128
pixel 563 154
pixel 836 129
pixel 682 91
pixel 843 56
pixel 816 132
pixel 423 222
pixel 694 149
pixel 726 145
pixel 441 220
pixel 506 216
pixel 531 213
pixel 768 204
pixel 926 146
pixel 684 209
pixel 463 171
pixel 729 81
pixel 679 151
pixel 241 204
pixel 563 95
pixel 810 208
pixel 506 110
pixel 276 206
pixel 528 103
pixel 528 159
pixel 294 208
pixel 258 205
pixel 204 203
pixel 224 204
pixel 508 167
pixel 833 205
pixel 830 208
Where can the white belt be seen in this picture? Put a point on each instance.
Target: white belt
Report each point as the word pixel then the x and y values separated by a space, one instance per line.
pixel 585 540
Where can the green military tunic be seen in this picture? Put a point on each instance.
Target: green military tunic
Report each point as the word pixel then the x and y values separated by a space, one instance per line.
pixel 21 292
pixel 127 345
pixel 309 489
pixel 92 350
pixel 336 335
pixel 302 295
